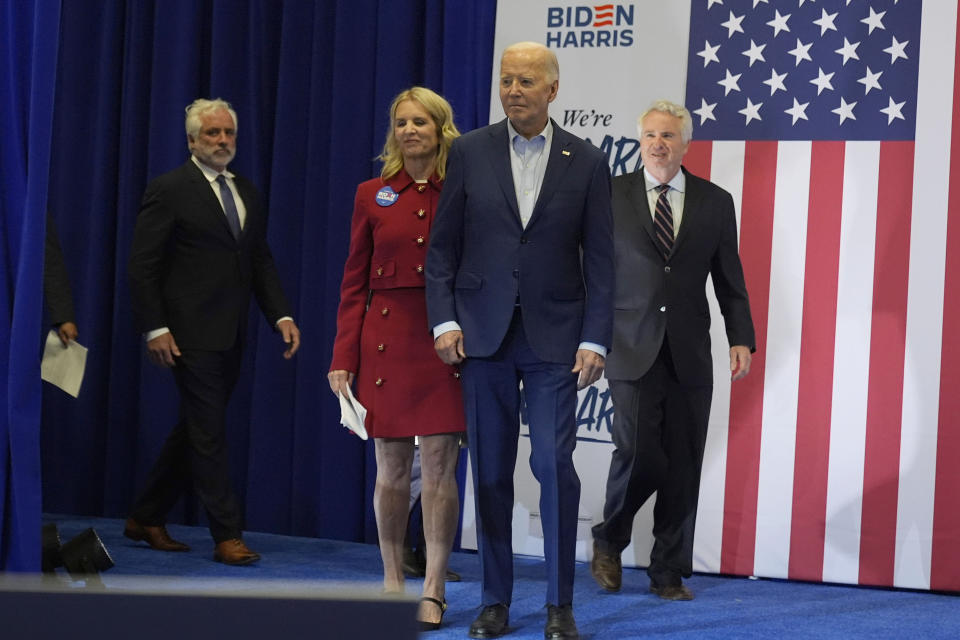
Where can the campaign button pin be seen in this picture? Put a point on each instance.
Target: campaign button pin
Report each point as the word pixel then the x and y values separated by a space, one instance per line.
pixel 386 196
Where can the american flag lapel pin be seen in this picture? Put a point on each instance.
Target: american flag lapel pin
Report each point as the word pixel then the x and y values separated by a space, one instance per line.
pixel 565 152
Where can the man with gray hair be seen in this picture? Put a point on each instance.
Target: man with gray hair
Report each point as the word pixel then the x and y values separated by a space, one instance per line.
pixel 199 252
pixel 671 230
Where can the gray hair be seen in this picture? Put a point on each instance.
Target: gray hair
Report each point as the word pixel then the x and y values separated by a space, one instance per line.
pixel 674 109
pixel 199 108
pixel 550 64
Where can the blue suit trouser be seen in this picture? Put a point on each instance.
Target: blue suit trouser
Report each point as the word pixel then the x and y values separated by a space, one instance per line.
pixel 492 402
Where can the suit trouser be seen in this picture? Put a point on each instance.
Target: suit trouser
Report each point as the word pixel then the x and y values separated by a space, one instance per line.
pixel 492 402
pixel 659 431
pixel 195 452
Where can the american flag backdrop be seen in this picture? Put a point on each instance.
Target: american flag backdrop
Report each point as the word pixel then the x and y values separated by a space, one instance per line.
pixel 832 124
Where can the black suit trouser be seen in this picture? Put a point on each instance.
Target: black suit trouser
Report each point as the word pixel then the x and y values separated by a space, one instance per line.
pixel 195 452
pixel 659 433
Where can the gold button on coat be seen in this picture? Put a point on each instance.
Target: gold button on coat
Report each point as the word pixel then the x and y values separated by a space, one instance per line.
pixel 381 347
pixel 384 311
pixel 379 382
pixel 421 213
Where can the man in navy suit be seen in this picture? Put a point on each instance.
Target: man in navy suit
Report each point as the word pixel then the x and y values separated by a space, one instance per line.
pixel 673 230
pixel 199 252
pixel 519 289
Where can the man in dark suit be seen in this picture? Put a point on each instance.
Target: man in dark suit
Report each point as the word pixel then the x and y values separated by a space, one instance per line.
pixel 673 229
pixel 519 286
pixel 199 250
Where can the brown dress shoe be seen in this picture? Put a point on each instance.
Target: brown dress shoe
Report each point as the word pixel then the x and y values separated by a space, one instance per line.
pixel 234 551
pixel 606 569
pixel 672 592
pixel 156 537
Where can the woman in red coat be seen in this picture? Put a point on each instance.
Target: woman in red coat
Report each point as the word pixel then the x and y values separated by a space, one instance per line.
pixel 384 340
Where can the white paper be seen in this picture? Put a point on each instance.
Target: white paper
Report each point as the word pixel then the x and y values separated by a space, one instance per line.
pixel 63 366
pixel 353 414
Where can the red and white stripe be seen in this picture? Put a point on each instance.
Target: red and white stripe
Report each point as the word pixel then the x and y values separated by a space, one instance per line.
pixel 838 458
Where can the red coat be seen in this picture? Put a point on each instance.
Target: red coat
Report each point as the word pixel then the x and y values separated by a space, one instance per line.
pixel 382 330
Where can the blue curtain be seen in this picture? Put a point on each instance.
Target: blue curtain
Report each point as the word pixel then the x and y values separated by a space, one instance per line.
pixel 100 89
pixel 28 34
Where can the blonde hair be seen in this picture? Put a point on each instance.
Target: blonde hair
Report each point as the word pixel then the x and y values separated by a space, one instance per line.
pixel 442 115
pixel 675 110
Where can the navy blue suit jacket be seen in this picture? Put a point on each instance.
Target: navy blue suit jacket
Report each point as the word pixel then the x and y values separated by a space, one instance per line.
pixel 481 259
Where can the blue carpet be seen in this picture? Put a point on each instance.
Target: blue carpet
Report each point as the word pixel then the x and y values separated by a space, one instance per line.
pixel 723 608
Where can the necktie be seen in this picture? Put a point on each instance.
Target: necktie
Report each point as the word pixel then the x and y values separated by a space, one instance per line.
pixel 229 207
pixel 663 221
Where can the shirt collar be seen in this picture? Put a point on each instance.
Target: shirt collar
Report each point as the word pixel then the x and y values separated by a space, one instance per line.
pixel 208 173
pixel 546 135
pixel 678 182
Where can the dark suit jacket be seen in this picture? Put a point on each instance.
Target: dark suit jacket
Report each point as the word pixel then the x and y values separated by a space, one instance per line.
pixel 657 298
pixel 56 282
pixel 480 256
pixel 186 270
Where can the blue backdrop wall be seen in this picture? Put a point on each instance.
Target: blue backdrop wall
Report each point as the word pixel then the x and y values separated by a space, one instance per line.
pixel 96 107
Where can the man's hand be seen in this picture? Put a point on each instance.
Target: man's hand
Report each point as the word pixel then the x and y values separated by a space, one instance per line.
pixel 163 349
pixel 739 362
pixel 339 381
pixel 291 337
pixel 67 332
pixel 449 347
pixel 589 365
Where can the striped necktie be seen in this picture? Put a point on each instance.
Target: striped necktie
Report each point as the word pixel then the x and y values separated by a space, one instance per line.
pixel 663 222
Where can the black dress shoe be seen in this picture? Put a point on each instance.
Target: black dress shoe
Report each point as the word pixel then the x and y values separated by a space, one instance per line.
pixel 492 622
pixel 606 569
pixel 560 623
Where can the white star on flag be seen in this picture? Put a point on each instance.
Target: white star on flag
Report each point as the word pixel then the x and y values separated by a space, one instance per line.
pixel 755 52
pixel 756 2
pixel 705 111
pixel 709 53
pixel 869 81
pixel 848 50
pixel 874 20
pixel 823 80
pixel 896 50
pixel 845 110
pixel 710 3
pixel 798 111
pixel 733 24
pixel 779 23
pixel 730 83
pixel 776 82
pixel 893 111
pixel 751 111
pixel 826 22
pixel 801 51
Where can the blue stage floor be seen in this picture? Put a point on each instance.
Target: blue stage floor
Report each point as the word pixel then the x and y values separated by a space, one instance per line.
pixel 723 608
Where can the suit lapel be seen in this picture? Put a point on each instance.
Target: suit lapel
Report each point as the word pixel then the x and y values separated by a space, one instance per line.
pixel 560 158
pixel 211 206
pixel 691 209
pixel 499 154
pixel 641 207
